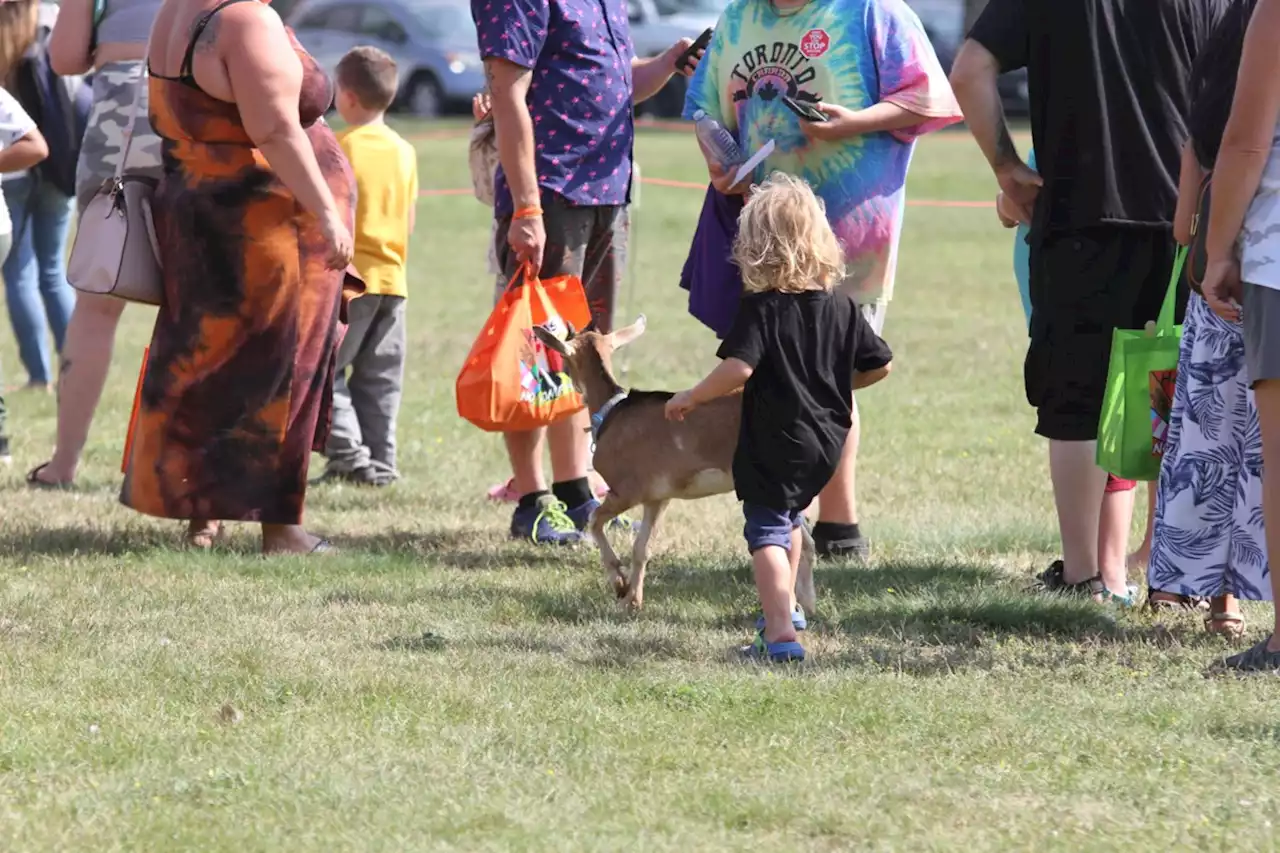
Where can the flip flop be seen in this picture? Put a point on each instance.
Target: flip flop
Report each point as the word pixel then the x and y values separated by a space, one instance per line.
pixel 34 481
pixel 324 546
pixel 206 537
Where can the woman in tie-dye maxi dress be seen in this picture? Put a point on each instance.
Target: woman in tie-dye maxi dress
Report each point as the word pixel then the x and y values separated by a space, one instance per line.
pixel 239 379
pixel 871 66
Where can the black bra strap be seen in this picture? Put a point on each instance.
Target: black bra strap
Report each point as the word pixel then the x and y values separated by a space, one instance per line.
pixel 186 70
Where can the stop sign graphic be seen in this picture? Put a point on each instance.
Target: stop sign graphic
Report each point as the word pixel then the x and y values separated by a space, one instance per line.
pixel 815 43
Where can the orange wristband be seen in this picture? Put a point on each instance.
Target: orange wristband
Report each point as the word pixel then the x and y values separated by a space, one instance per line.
pixel 527 213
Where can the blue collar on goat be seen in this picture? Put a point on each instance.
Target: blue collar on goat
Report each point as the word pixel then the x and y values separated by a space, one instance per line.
pixel 598 419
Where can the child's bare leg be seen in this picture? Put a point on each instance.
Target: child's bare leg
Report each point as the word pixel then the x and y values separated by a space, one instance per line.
pixel 775 584
pixel 1138 560
pixel 797 546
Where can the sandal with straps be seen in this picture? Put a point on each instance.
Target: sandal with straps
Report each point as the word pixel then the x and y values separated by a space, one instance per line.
pixel 1160 600
pixel 1228 624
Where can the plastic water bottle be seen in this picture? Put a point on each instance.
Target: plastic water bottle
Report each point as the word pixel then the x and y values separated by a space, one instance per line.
pixel 717 140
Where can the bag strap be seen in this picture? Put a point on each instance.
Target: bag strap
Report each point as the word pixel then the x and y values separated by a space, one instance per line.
pixel 524 273
pixel 143 79
pixel 1164 325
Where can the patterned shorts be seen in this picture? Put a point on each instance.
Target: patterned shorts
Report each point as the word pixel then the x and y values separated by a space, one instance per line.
pixel 114 86
pixel 589 242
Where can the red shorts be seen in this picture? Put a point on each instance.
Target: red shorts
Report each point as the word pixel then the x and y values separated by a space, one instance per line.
pixel 1115 484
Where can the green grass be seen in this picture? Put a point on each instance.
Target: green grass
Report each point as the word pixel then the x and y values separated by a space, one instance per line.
pixel 943 708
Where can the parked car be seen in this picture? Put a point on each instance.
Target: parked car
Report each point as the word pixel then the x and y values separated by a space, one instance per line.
pixel 658 24
pixel 432 41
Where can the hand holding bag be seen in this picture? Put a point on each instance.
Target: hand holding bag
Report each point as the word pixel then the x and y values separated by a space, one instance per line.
pixel 1140 384
pixel 510 382
pixel 116 252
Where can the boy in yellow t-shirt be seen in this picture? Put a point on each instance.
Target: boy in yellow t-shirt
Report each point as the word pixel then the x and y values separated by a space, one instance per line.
pixel 366 393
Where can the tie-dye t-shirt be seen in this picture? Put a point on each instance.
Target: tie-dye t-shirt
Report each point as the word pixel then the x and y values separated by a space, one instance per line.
pixel 851 53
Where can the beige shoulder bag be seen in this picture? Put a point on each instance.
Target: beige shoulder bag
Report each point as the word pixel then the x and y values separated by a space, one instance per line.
pixel 116 252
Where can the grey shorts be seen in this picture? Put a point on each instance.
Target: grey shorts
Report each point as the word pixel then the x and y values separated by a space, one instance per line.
pixel 1260 316
pixel 589 242
pixel 114 85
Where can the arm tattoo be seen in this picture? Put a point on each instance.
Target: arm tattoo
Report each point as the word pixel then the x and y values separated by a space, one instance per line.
pixel 207 40
pixel 1006 151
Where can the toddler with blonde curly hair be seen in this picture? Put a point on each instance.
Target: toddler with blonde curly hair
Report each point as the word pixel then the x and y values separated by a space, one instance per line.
pixel 797 350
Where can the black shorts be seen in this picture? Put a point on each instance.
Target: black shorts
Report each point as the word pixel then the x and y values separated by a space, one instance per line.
pixel 1084 285
pixel 589 242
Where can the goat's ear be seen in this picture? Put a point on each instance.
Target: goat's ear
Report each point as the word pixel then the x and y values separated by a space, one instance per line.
pixel 569 334
pixel 550 341
pixel 627 334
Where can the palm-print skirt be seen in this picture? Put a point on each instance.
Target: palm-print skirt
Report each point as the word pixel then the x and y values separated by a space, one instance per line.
pixel 1208 537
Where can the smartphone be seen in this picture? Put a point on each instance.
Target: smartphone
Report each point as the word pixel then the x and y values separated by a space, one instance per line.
pixel 806 112
pixel 694 49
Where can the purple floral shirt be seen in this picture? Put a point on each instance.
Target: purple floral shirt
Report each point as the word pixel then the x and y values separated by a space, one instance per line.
pixel 580 97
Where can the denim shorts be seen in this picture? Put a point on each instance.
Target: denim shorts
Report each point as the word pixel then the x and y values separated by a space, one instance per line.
pixel 767 526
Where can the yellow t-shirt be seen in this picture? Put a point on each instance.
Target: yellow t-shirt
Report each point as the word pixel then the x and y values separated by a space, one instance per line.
pixel 386 169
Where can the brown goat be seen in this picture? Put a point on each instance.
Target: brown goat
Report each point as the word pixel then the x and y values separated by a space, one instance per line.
pixel 647 460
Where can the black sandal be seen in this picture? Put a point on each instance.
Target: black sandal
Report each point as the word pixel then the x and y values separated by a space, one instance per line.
pixel 1053 580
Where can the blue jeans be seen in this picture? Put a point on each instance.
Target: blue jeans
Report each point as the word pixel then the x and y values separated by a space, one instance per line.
pixel 35 273
pixel 767 527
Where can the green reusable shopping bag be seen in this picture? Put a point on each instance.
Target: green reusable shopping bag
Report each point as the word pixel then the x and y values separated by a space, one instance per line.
pixel 1140 383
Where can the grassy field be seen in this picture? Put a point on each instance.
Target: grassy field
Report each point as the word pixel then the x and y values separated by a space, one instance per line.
pixel 437 687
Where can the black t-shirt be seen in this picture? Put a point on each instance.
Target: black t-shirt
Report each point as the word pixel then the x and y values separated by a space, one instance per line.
pixel 1110 87
pixel 804 349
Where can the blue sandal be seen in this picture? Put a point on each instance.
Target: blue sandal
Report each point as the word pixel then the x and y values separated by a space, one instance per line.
pixel 798 620
pixel 785 652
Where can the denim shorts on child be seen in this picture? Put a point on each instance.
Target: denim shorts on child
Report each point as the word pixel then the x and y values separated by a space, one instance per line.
pixel 767 526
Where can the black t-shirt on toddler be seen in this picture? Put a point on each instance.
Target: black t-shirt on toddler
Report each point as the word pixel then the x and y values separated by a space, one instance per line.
pixel 804 349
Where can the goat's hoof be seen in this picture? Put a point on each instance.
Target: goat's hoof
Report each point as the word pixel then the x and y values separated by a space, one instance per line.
pixel 621 588
pixel 631 604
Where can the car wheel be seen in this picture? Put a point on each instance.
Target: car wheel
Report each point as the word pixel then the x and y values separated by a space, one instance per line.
pixel 425 99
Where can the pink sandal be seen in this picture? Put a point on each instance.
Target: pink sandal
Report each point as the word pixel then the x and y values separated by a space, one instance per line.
pixel 506 492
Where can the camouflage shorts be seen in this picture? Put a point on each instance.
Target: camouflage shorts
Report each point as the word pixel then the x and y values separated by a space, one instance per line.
pixel 114 85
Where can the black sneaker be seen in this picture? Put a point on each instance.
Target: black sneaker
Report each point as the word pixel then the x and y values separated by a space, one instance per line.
pixel 855 548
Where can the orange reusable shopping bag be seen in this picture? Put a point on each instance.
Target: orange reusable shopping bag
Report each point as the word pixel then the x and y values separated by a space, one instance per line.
pixel 510 381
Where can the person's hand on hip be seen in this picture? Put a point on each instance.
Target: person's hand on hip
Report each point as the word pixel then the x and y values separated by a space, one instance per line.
pixel 1021 187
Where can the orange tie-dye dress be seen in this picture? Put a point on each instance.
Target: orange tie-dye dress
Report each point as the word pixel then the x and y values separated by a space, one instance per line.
pixel 239 381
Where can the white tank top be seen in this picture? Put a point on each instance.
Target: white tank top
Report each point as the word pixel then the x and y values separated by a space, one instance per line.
pixel 1260 236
